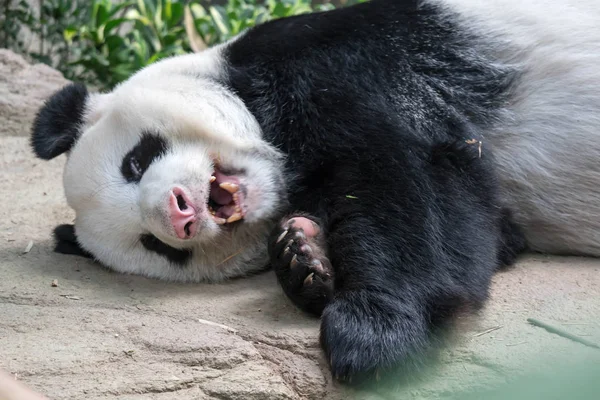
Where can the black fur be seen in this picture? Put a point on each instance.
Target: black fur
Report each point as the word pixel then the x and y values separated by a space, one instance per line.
pixel 136 162
pixel 381 109
pixel 176 256
pixel 513 241
pixel 56 126
pixel 66 241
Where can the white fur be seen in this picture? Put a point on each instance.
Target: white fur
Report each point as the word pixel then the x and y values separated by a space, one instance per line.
pixel 548 152
pixel 200 120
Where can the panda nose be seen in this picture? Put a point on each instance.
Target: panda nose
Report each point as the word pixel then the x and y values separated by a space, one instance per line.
pixel 182 214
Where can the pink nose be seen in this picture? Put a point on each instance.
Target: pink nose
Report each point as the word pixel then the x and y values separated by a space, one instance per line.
pixel 182 214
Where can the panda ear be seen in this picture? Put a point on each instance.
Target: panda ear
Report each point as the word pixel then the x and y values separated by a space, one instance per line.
pixel 57 124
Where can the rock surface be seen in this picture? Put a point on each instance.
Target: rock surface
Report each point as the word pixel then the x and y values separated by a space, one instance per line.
pixel 99 335
pixel 23 89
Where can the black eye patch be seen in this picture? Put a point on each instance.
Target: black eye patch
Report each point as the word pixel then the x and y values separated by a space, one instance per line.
pixel 176 256
pixel 136 162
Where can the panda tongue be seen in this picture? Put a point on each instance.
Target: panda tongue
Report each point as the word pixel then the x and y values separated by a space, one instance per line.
pixel 225 211
pixel 220 195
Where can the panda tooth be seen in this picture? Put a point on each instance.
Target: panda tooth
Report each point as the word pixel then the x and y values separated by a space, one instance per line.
pixel 220 221
pixel 234 217
pixel 213 178
pixel 230 187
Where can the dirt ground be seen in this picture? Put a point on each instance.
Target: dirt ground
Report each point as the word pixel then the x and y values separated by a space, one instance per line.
pixel 99 334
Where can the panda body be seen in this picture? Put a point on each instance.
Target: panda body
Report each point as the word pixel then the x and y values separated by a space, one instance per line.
pixel 424 140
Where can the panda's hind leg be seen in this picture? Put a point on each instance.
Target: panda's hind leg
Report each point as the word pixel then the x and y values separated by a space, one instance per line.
pixel 298 253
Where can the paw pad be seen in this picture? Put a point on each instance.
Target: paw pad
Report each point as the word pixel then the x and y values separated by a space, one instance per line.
pixel 299 257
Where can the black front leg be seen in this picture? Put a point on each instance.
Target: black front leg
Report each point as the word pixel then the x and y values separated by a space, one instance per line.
pixel 298 252
pixel 408 249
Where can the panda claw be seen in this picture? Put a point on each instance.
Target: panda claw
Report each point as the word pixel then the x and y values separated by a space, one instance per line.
pixel 309 279
pixel 318 266
pixel 294 261
pixel 287 248
pixel 280 238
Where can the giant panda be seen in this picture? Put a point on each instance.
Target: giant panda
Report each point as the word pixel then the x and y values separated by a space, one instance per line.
pixel 384 159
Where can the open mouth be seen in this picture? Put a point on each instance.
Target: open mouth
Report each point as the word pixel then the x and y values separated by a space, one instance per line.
pixel 226 198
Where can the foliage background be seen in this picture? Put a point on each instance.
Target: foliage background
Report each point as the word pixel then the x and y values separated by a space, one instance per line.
pixel 103 42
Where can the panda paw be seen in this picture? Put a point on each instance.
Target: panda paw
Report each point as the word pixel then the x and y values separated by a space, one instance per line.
pixel 298 254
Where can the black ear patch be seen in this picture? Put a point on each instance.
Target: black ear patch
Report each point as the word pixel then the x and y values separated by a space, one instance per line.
pixel 55 129
pixel 66 241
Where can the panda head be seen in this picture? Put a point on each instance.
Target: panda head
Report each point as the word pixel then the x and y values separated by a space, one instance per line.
pixel 168 174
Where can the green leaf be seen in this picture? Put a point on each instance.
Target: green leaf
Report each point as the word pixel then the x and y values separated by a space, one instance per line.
pixel 142 6
pixel 69 33
pixel 140 48
pixel 279 10
pixel 166 52
pixel 236 26
pixel 158 20
pixel 100 59
pixel 177 11
pixel 135 15
pixel 148 35
pixel 114 10
pixel 150 7
pixel 112 24
pixel 244 13
pixel 169 39
pixel 198 11
pixel 121 72
pixel 167 10
pixel 217 15
pixel 102 15
pixel 262 17
pixel 94 15
pixel 114 42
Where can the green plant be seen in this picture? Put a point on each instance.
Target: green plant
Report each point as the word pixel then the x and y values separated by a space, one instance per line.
pixel 120 39
pixel 21 27
pixel 12 18
pixel 216 23
pixel 101 42
pixel 54 17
